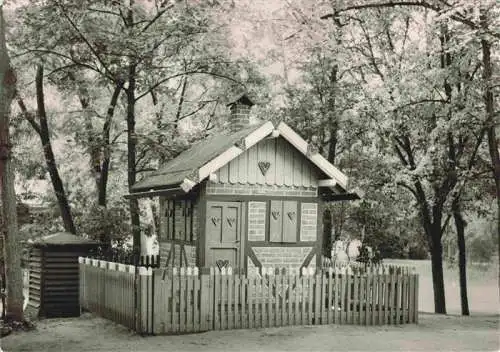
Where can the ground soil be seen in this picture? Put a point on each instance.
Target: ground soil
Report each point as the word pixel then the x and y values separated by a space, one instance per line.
pixel 434 333
pixel 480 332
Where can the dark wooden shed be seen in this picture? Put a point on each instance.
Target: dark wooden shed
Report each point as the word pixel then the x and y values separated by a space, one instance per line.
pixel 54 275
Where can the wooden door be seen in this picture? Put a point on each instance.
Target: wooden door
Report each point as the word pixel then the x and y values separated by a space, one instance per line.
pixel 223 232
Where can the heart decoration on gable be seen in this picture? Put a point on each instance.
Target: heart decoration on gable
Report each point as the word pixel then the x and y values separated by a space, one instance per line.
pixel 275 214
pixel 264 166
pixel 222 263
pixel 291 215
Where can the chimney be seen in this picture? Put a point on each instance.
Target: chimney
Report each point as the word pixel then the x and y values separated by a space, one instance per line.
pixel 240 112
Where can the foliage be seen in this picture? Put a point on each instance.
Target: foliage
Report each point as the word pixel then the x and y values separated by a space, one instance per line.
pixel 418 250
pixel 106 222
pixel 397 96
pixel 481 239
pixel 365 256
pixel 482 248
pixel 181 74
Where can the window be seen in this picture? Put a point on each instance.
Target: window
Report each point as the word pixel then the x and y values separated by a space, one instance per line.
pixel 177 221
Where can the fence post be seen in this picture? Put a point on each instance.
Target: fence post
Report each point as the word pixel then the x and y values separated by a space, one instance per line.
pixel 416 298
pixel 205 294
pixel 144 291
pixel 81 271
pixel 318 294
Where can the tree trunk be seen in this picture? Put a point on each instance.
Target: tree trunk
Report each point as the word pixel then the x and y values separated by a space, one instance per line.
pixel 332 146
pixel 161 159
pixel 93 143
pixel 462 264
pixel 333 124
pixel 131 159
pixel 327 233
pixel 495 159
pixel 49 156
pixel 11 249
pixel 106 155
pixel 179 106
pixel 132 143
pixel 437 271
pixel 104 163
pixel 489 103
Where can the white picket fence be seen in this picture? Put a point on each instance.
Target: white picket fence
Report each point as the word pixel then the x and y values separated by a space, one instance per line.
pixel 179 300
pixel 107 289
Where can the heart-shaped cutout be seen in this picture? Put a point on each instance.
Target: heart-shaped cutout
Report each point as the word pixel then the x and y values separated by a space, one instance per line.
pixel 231 221
pixel 275 214
pixel 215 220
pixel 291 215
pixel 264 166
pixel 222 263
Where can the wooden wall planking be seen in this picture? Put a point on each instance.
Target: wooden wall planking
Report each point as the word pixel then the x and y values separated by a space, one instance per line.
pixel 287 166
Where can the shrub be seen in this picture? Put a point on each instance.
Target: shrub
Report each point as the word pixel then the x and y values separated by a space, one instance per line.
pixel 110 226
pixel 368 255
pixel 481 249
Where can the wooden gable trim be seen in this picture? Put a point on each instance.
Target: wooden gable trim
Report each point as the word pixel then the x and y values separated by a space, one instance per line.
pixel 317 159
pixel 187 185
pixel 327 183
pixel 258 135
pixel 176 192
pixel 218 162
pixel 234 151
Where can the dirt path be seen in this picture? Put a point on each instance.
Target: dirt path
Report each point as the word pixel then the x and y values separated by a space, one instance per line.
pixel 434 333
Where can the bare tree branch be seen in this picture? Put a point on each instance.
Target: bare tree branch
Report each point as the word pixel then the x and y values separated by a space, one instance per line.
pixel 26 114
pixel 409 188
pixel 160 82
pixel 158 15
pixel 421 3
pixel 80 34
pixel 418 102
pixel 76 62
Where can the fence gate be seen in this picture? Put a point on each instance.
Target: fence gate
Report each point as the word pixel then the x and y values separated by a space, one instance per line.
pixel 180 302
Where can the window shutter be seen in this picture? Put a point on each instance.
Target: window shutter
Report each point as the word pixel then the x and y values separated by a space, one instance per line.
pixel 290 215
pixel 276 221
pixel 168 217
pixel 178 233
pixel 187 220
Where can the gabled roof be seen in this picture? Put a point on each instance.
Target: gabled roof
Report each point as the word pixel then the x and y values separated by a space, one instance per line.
pixel 187 163
pixel 207 156
pixel 63 239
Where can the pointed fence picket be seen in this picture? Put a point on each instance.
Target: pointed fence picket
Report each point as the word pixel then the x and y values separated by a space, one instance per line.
pixel 183 300
pixel 107 289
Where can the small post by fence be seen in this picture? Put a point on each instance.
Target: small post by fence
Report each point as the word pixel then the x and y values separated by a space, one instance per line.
pixel 144 323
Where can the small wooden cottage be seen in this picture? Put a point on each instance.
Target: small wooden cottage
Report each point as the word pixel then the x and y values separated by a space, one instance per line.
pixel 246 198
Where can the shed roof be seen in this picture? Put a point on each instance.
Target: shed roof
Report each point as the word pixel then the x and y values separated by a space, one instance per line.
pixel 63 239
pixel 188 162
